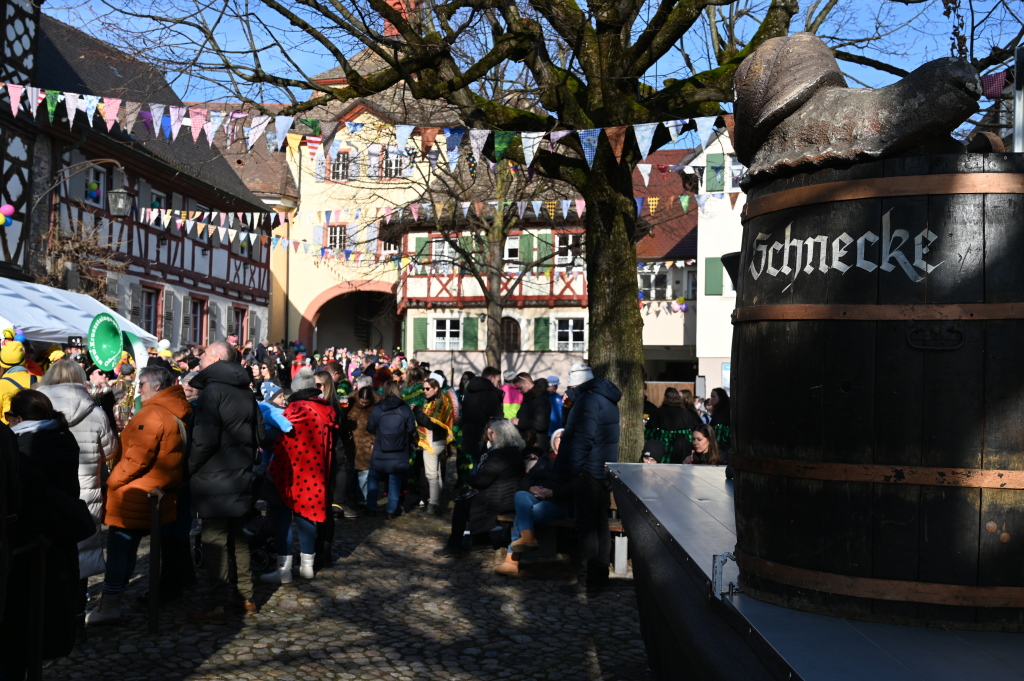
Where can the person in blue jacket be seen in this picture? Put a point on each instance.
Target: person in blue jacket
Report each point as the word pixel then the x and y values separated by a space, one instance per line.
pixel 590 440
pixel 556 405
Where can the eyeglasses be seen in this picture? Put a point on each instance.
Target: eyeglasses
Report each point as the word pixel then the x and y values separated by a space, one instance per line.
pixel 142 383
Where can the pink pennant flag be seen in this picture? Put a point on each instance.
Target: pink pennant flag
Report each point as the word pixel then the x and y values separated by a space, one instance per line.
pixel 14 91
pixel 197 117
pixel 415 211
pixel 581 205
pixel 387 214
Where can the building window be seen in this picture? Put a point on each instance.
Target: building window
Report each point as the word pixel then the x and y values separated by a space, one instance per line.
pixel 196 319
pixel 511 338
pixel 336 237
pixel 570 335
pixel 99 176
pixel 391 245
pixel 567 250
pixel 391 164
pixel 240 318
pixel 512 249
pixel 653 285
pixel 340 167
pixel 149 305
pixel 447 334
pixel 443 257
pixel 691 285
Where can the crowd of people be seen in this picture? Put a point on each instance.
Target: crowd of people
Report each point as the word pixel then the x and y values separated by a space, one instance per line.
pixel 242 439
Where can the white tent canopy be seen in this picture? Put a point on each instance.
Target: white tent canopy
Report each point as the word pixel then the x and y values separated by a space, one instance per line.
pixel 50 315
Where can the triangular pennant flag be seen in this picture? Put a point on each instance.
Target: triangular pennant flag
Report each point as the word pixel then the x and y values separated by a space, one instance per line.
pixel 387 215
pixel 536 207
pixel 639 204
pixel 617 138
pixel 296 244
pixel 312 145
pixel 477 141
pixel 644 136
pixel 588 138
pixel 177 118
pixel 313 124
pixel 478 208
pixel 705 126
pixel 213 123
pixel 565 209
pixel 652 203
pixel 415 208
pixel 353 128
pixel 452 140
pixel 432 156
pixel 581 205
pixel 35 98
pixel 701 200
pixel 663 169
pixel 645 172
pixel 718 195
pixel 274 242
pixel 502 140
pixel 157 110
pixel 71 102
pixel 426 210
pixel 684 201
pixel 52 97
pixel 402 133
pixel 732 199
pixel 555 136
pixel 197 119
pixel 675 128
pixel 91 103
pixel 14 92
pixel 521 205
pixel 992 84
pixel 531 140
pixel 165 126
pixel 147 122
pixel 282 124
pixel 465 208
pixel 294 140
pixel 259 125
pixel 427 137
pixel 328 129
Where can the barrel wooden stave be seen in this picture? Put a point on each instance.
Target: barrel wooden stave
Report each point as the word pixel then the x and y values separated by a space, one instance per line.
pixel 857 392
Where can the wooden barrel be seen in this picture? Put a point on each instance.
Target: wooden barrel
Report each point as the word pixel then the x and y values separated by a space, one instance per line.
pixel 878 392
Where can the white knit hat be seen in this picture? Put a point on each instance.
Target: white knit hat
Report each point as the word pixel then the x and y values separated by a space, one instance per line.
pixel 579 374
pixel 438 377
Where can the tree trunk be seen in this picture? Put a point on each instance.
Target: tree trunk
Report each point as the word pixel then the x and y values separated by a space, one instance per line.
pixel 496 231
pixel 616 328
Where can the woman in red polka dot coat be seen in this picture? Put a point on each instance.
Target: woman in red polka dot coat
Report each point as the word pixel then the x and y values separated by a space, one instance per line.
pixel 299 470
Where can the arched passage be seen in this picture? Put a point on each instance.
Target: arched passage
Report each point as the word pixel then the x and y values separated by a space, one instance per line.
pixel 352 314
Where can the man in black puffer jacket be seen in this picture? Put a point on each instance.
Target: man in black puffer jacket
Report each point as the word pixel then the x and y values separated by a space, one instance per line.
pixel 224 447
pixel 483 401
pixel 590 440
pixel 535 412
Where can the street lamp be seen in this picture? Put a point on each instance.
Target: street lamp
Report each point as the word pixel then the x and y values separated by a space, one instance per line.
pixel 120 203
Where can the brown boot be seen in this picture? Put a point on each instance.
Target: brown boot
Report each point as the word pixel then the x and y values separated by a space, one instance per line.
pixel 510 566
pixel 526 542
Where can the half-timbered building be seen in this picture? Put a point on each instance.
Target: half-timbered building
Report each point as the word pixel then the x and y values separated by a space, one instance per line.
pixel 179 278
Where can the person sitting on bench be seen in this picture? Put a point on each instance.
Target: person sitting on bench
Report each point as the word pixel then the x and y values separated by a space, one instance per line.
pixel 545 497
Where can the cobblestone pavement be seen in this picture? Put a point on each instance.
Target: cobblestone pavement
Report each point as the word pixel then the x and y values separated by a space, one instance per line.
pixel 388 609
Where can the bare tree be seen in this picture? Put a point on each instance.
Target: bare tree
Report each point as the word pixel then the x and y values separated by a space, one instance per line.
pixel 513 65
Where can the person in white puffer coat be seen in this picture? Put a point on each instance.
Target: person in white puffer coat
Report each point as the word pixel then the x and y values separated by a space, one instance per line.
pixel 65 384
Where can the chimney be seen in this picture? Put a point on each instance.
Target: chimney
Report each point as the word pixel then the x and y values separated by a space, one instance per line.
pixel 402 6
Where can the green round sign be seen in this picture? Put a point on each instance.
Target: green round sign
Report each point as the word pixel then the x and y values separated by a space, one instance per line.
pixel 104 341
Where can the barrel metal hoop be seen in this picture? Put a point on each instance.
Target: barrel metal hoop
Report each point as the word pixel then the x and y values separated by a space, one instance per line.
pixel 884 187
pixel 883 589
pixel 878 313
pixel 880 473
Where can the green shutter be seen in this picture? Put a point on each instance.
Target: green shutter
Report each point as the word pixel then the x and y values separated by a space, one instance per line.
pixel 714 184
pixel 469 327
pixel 419 334
pixel 466 244
pixel 541 334
pixel 712 276
pixel 544 248
pixel 423 247
pixel 525 249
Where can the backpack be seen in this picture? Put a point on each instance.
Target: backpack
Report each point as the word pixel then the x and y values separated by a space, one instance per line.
pixel 391 433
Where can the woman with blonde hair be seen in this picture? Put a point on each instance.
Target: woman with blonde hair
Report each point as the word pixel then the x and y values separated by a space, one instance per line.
pixel 65 383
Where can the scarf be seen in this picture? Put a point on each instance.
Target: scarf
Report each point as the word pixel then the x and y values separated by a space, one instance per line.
pixel 414 395
pixel 441 412
pixel 35 426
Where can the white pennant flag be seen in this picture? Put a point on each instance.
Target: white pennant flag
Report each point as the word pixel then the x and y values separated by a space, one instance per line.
pixel 530 140
pixel 705 126
pixel 259 125
pixel 675 128
pixel 71 102
pixel 402 133
pixel 477 141
pixel 645 171
pixel 213 122
pixel 465 208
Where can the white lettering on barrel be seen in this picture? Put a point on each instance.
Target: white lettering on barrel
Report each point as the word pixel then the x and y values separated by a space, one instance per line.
pixel 763 256
pixel 889 253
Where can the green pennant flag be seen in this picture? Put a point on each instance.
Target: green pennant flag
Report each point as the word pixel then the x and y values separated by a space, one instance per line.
pixel 313 124
pixel 52 96
pixel 684 200
pixel 501 141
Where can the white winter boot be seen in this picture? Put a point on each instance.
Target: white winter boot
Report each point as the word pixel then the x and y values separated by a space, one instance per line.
pixel 109 610
pixel 283 573
pixel 306 565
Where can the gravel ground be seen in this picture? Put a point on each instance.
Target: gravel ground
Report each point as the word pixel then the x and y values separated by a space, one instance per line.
pixel 387 609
